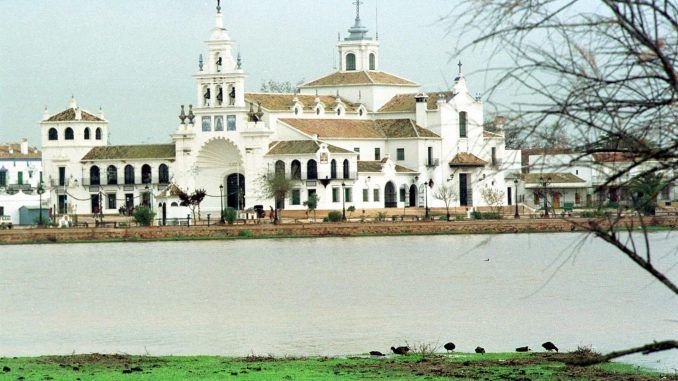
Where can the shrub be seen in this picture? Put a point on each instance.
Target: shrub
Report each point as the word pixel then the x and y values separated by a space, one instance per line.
pixel 459 217
pixel 245 233
pixel 144 215
pixel 334 216
pixel 381 216
pixel 230 215
pixel 485 216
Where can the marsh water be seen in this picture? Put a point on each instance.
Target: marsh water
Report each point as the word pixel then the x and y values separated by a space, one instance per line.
pixel 334 296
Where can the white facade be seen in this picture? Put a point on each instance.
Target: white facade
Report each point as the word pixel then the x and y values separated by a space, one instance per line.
pixel 20 176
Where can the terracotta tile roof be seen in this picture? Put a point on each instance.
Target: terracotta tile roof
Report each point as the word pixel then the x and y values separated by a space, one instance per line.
pixel 465 159
pixel 148 151
pixel 377 166
pixel 613 157
pixel 490 135
pixel 360 129
pixel 69 115
pixel 33 153
pixel 407 103
pixel 359 78
pixel 558 178
pixel 283 102
pixel 296 147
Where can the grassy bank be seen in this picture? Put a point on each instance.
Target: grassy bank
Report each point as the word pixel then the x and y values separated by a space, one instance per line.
pixel 458 366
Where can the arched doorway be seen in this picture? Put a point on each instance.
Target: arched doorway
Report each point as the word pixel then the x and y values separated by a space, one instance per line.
pixel 235 191
pixel 390 196
pixel 413 195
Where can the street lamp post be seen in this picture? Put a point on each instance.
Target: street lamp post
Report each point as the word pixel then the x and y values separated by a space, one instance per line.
pixel 41 190
pixel 515 188
pixel 221 198
pixel 545 184
pixel 343 201
pixel 426 211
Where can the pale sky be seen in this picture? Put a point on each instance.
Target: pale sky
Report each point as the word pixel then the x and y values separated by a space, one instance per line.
pixel 136 58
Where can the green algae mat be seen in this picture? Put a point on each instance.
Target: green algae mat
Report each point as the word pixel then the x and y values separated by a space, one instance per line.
pixel 457 366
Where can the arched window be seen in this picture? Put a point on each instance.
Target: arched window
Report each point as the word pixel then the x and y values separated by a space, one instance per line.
pixel 350 62
pixel 317 110
pixel 174 204
pixel 373 61
pixel 296 170
pixel 280 168
pixel 97 134
pixel 146 174
pixel 87 133
pixel 346 169
pixel 296 111
pixel 312 170
pixel 94 178
pixel 462 124
pixel 333 169
pixel 112 175
pixel 68 135
pixel 129 175
pixel 163 174
pixel 339 112
pixel 52 134
pixel 361 111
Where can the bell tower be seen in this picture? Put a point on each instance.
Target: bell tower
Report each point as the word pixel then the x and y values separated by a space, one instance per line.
pixel 220 80
pixel 358 51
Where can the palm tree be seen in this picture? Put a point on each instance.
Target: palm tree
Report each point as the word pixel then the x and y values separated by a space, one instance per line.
pixel 644 191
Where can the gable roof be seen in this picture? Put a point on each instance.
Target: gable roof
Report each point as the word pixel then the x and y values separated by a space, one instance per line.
pixel 349 78
pixel 33 153
pixel 284 102
pixel 613 157
pixel 378 165
pixel 360 129
pixel 148 151
pixel 296 147
pixel 466 159
pixel 407 103
pixel 556 177
pixel 69 115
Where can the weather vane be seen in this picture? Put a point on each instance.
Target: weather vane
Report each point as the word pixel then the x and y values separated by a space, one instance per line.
pixel 219 6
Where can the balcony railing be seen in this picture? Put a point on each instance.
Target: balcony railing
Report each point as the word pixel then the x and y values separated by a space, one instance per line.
pixel 432 163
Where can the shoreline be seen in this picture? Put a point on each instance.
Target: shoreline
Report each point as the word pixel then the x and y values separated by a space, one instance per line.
pixel 309 230
pixel 425 365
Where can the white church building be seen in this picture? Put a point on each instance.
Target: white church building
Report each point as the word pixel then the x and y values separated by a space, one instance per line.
pixel 359 136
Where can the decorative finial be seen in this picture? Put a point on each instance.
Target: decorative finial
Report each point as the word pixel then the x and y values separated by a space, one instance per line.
pixel 239 61
pixel 201 63
pixel 182 116
pixel 459 64
pixel 218 6
pixel 191 116
pixel 357 4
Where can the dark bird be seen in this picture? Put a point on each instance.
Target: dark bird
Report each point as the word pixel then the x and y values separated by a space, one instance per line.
pixel 487 260
pixel 377 353
pixel 400 350
pixel 480 350
pixel 549 346
pixel 523 349
pixel 449 347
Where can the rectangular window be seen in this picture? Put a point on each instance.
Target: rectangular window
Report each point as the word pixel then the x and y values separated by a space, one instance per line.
pixel 62 176
pixel 494 156
pixel 40 177
pixel 20 178
pixel 402 194
pixel 366 195
pixel 230 122
pixel 335 194
pixel 311 192
pixel 376 195
pixel 429 158
pixel 112 202
pixel 296 197
pixel 2 210
pixel 356 149
pixel 400 154
pixel 218 123
pixel 3 178
pixel 377 154
pixel 206 123
pixel 462 124
pixel 348 194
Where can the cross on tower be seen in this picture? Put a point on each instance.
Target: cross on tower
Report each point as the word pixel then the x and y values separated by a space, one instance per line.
pixel 357 4
pixel 459 64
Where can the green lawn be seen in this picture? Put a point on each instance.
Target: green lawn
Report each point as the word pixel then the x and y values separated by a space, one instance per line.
pixel 459 366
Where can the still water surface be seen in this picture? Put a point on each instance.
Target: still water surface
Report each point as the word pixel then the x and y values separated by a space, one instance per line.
pixel 333 296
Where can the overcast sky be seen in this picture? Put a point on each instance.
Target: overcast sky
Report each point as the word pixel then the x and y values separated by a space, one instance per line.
pixel 136 58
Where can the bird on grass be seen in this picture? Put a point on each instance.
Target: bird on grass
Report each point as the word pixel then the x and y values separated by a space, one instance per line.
pixel 400 350
pixel 523 349
pixel 480 350
pixel 377 354
pixel 449 347
pixel 549 346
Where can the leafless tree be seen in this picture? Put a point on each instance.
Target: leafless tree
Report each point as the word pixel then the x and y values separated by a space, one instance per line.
pixel 603 73
pixel 447 194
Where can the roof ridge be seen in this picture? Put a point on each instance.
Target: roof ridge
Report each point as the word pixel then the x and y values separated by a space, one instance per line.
pixel 369 76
